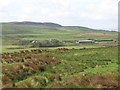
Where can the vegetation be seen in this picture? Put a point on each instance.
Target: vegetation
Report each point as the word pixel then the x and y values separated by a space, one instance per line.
pixel 104 40
pixel 55 61
pixel 58 67
pixel 47 43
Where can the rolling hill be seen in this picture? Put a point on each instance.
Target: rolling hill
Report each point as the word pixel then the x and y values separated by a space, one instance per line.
pixel 71 65
pixel 14 31
pixel 25 27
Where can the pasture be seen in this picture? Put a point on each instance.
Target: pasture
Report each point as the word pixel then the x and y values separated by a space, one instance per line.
pixel 71 65
pixel 54 68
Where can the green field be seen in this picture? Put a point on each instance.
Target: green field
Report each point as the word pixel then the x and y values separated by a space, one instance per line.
pixel 72 65
pixel 13 32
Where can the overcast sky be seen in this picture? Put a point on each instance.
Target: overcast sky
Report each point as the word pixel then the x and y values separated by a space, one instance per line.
pixel 98 14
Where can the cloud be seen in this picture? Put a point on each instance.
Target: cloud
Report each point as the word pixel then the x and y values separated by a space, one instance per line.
pixel 91 13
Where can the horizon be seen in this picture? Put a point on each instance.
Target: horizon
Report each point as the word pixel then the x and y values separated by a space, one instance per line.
pixel 62 25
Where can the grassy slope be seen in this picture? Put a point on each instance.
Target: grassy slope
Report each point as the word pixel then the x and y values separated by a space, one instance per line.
pixel 78 62
pixel 12 33
pixel 61 33
pixel 73 62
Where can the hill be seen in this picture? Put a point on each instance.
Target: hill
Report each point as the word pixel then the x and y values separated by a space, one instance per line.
pixel 34 23
pixel 47 55
pixel 38 27
pixel 15 31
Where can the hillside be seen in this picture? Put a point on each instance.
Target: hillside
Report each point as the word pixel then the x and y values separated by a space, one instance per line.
pixel 49 55
pixel 38 27
pixel 49 29
pixel 13 32
pixel 34 23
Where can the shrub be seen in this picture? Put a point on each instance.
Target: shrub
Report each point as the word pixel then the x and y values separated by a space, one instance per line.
pixel 47 43
pixel 24 42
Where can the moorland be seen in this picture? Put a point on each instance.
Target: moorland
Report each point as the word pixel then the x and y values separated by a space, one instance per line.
pixel 49 55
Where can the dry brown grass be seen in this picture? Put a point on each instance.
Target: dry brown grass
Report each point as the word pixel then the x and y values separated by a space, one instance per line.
pixel 37 63
pixel 107 80
pixel 104 80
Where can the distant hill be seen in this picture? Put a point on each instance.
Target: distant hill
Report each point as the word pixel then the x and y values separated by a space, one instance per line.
pixel 34 23
pixel 28 27
pixel 46 24
pixel 81 27
pixel 45 31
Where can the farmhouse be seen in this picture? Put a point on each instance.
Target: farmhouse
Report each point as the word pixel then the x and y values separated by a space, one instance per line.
pixel 84 41
pixel 33 41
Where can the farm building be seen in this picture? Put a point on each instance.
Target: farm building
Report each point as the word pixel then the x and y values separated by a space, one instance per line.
pixel 33 41
pixel 84 41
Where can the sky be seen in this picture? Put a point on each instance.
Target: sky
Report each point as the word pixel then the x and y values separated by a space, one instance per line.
pixel 97 14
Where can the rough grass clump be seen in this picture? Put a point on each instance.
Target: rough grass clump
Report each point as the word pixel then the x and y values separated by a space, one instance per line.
pixel 37 63
pixel 105 80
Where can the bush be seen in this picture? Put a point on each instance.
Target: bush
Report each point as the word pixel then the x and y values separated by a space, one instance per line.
pixel 47 43
pixel 24 42
pixel 104 40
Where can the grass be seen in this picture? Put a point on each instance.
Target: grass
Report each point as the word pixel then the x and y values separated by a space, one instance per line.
pixel 13 33
pixel 5 48
pixel 77 46
pixel 97 70
pixel 76 63
pixel 85 59
pixel 25 32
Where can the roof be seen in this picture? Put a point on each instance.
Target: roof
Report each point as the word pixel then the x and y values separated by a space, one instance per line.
pixel 85 40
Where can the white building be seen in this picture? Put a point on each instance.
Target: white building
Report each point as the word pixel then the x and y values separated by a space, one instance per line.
pixel 34 41
pixel 84 41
